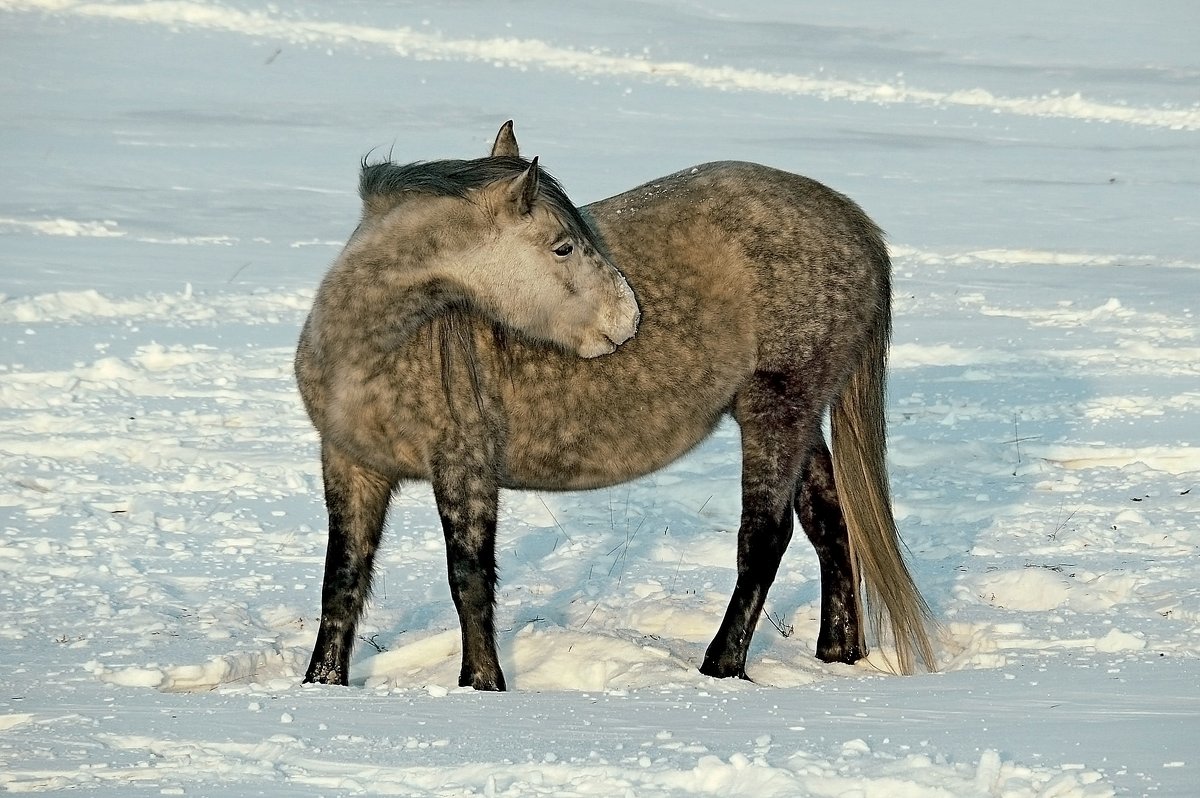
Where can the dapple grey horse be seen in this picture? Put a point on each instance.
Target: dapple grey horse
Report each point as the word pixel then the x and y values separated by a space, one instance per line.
pixel 480 332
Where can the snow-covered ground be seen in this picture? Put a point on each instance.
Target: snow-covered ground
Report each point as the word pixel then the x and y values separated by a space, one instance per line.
pixel 177 175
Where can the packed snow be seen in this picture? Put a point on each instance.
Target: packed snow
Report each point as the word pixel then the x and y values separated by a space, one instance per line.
pixel 178 175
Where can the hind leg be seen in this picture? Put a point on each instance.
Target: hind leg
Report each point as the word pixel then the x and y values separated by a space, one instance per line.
pixel 777 434
pixel 357 500
pixel 820 513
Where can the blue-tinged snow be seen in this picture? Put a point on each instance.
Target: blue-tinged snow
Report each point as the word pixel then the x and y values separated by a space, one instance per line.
pixel 175 178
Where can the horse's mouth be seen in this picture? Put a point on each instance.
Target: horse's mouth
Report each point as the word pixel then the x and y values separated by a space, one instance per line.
pixel 598 347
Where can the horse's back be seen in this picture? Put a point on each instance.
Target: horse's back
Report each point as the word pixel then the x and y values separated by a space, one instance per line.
pixel 812 265
pixel 738 193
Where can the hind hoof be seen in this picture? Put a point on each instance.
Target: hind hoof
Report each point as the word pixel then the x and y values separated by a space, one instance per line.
pixel 847 655
pixel 722 669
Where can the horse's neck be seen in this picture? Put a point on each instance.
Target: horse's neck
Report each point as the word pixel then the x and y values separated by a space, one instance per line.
pixel 368 307
pixel 422 302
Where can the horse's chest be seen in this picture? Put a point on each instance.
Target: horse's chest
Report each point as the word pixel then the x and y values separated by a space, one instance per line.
pixel 383 421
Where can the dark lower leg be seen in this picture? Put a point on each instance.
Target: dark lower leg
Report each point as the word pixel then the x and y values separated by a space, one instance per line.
pixel 840 637
pixel 472 571
pixel 762 539
pixel 774 443
pixel 467 501
pixel 357 502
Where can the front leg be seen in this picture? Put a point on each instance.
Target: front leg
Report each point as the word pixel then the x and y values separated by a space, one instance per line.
pixel 467 492
pixel 357 500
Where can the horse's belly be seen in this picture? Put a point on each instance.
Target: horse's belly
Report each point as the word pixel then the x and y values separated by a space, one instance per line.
pixel 575 441
pixel 572 463
pixel 585 424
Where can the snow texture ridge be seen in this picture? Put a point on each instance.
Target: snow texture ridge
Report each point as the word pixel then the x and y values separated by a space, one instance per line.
pixel 524 53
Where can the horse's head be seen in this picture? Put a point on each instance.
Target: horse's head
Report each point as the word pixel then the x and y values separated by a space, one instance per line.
pixel 542 269
pixel 498 235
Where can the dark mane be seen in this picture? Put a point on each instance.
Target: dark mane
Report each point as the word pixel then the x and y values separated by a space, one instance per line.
pixel 380 184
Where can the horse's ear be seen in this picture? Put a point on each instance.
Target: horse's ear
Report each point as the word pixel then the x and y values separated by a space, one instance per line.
pixel 506 142
pixel 523 190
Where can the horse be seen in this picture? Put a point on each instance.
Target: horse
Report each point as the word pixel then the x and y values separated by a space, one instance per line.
pixel 480 332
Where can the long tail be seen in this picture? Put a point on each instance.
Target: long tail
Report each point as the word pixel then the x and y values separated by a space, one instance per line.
pixel 860 471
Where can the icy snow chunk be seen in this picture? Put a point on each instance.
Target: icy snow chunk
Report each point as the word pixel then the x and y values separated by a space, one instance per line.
pixel 987 774
pixel 1116 640
pixel 133 677
pixel 1031 589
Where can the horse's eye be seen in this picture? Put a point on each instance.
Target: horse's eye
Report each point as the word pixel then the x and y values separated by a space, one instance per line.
pixel 563 250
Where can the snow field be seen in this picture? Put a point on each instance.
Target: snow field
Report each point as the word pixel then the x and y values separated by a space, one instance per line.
pixel 180 173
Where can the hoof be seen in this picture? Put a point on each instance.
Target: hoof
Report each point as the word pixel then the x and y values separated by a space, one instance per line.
pixel 718 669
pixel 491 683
pixel 845 654
pixel 319 674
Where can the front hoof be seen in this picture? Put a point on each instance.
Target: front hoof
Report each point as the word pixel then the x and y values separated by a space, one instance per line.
pixel 493 683
pixel 321 674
